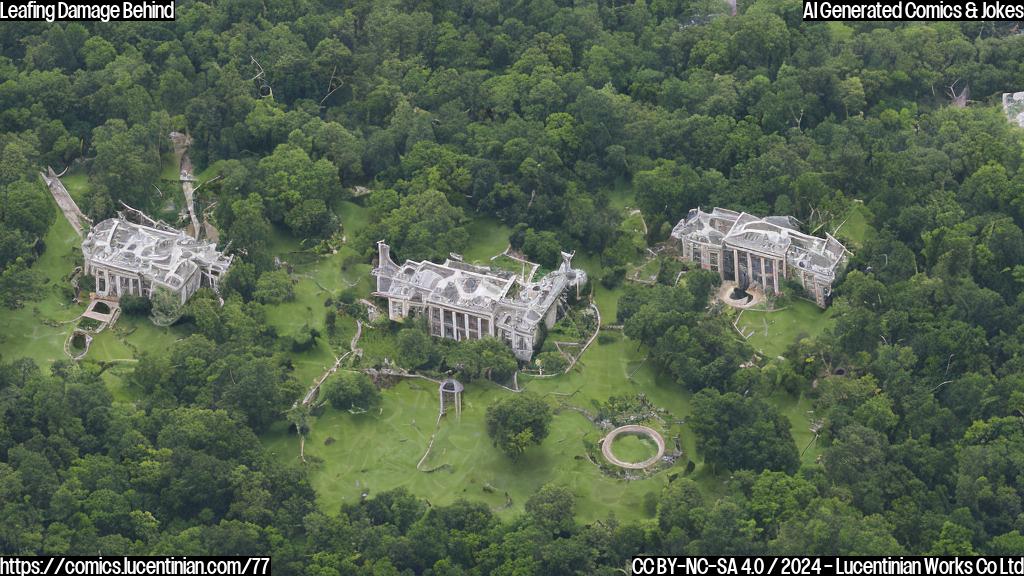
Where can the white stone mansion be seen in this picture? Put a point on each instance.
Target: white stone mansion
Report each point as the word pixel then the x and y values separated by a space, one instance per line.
pixel 134 259
pixel 462 301
pixel 761 251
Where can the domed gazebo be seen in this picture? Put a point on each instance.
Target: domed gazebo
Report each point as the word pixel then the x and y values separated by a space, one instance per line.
pixel 451 395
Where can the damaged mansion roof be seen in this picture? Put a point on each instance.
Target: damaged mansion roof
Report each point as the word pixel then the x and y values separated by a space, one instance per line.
pixel 164 256
pixel 488 291
pixel 775 236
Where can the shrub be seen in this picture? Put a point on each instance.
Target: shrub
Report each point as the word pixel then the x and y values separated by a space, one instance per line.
pixel 668 270
pixel 87 283
pixel 166 307
pixel 613 277
pixel 350 390
pixel 348 296
pixel 136 305
pixel 552 362
pixel 305 338
pixel 88 324
pixel 518 421
pixel 651 504
pixel 274 287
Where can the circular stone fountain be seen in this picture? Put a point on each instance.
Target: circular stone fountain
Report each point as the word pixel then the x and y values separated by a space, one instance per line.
pixel 606 446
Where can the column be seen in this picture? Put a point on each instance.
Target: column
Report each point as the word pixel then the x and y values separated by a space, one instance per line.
pixel 736 265
pixel 479 328
pixel 775 275
pixel 465 323
pixel 764 283
pixel 750 269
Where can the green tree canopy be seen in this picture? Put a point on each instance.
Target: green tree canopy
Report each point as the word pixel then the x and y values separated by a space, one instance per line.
pixel 517 422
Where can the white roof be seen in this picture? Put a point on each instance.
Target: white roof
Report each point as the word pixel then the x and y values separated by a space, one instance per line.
pixel 163 256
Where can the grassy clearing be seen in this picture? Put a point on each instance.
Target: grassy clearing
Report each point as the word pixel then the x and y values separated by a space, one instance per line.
pixel 488 237
pixel 354 217
pixel 634 448
pixel 77 183
pixel 621 195
pixel 800 415
pixel 856 228
pixel 139 335
pixel 169 168
pixel 288 318
pixel 647 271
pixel 607 300
pixel 27 330
pixel 400 431
pixel 169 204
pixel 509 265
pixel 633 224
pixel 316 279
pixel 116 380
pixel 205 173
pixel 775 331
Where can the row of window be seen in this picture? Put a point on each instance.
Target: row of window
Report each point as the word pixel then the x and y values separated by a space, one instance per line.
pixel 458 325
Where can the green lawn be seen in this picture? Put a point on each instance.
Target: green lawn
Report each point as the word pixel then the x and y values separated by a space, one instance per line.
pixel 508 264
pixel 634 448
pixel 27 332
pixel 856 228
pixel 77 183
pixel 775 331
pixel 607 300
pixel 204 173
pixel 487 237
pixel 621 195
pixel 354 216
pixel 633 224
pixel 116 380
pixel 379 450
pixel 648 271
pixel 463 463
pixel 169 168
pixel 800 415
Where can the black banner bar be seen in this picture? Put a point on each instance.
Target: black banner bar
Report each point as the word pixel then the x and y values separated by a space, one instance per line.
pixel 131 565
pixel 70 10
pixel 818 565
pixel 907 10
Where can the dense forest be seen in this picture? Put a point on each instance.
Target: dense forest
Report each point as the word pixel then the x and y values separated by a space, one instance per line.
pixel 536 112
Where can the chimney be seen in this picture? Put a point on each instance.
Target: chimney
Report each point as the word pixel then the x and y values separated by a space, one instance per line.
pixel 383 253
